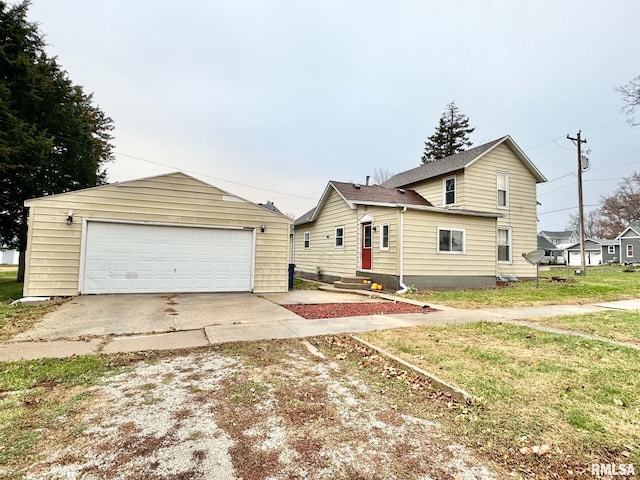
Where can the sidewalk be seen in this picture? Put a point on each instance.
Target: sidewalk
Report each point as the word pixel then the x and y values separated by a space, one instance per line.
pixel 298 328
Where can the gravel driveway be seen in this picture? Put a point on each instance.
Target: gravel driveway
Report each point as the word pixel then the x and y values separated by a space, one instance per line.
pixel 270 410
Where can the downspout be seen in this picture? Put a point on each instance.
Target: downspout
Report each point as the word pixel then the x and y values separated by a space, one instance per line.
pixel 403 287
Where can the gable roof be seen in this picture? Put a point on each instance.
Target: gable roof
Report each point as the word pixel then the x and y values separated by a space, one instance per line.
pixel 630 228
pixel 354 194
pixel 565 234
pixel 589 244
pixel 546 244
pixel 459 161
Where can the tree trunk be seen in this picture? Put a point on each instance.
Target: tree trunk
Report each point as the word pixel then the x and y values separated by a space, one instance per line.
pixel 21 265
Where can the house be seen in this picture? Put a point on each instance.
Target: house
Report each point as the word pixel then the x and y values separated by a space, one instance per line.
pixel 454 223
pixel 610 251
pixel 629 240
pixel 9 256
pixel 592 250
pixel 169 233
pixel 552 254
pixel 565 237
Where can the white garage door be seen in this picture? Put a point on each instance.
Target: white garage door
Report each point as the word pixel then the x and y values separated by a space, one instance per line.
pixel 127 258
pixel 591 257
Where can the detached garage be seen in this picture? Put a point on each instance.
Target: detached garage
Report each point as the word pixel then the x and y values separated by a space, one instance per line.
pixel 171 233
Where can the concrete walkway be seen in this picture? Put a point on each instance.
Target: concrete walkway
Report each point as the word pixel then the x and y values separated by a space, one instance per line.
pixel 297 327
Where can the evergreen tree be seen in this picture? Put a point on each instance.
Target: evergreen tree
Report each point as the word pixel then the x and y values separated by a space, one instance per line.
pixel 52 138
pixel 451 136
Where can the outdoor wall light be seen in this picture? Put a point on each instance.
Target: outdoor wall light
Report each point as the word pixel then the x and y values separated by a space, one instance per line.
pixel 69 217
pixel 262 228
pixel 375 229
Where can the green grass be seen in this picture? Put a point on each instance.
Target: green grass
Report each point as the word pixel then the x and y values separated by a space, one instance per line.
pixel 15 319
pixel 580 396
pixel 36 395
pixel 623 326
pixel 300 284
pixel 601 283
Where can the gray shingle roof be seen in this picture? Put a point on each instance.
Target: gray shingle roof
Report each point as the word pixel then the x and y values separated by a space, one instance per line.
pixel 545 244
pixel 306 217
pixel 564 234
pixel 440 167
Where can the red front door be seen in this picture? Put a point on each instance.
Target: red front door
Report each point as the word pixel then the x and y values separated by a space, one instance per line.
pixel 366 246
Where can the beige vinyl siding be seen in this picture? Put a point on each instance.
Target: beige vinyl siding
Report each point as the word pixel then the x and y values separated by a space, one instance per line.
pixel 433 189
pixel 481 179
pixel 421 255
pixel 322 252
pixel 382 261
pixel 53 251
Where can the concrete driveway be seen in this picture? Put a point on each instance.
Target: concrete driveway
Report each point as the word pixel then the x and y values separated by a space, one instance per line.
pixel 101 315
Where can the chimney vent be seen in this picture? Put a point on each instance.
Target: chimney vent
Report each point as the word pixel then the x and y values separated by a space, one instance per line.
pixel 368 177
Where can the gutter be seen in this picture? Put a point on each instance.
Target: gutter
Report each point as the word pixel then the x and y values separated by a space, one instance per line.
pixel 403 287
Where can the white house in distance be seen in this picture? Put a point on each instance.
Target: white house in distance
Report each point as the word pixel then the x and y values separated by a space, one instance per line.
pixel 9 257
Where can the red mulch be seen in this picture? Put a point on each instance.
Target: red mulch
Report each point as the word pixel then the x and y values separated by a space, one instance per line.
pixel 334 310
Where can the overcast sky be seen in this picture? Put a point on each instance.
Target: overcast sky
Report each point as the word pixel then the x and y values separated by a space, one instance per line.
pixel 272 99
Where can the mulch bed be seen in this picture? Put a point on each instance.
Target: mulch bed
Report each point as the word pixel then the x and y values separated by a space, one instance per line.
pixel 335 310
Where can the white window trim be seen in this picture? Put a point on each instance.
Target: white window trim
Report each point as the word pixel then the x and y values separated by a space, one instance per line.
pixel 506 181
pixel 306 240
pixel 629 250
pixel 510 261
pixel 444 191
pixel 452 229
pixel 382 247
pixel 611 249
pixel 335 237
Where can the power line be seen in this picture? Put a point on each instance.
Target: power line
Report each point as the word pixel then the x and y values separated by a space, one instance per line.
pixel 569 208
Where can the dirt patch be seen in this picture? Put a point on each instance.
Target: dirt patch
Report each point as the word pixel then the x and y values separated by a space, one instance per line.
pixel 335 310
pixel 260 411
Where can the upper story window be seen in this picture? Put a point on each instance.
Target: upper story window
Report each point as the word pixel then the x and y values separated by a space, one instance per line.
pixel 629 250
pixel 449 190
pixel 450 240
pixel 339 237
pixel 611 249
pixel 503 189
pixel 307 240
pixel 384 236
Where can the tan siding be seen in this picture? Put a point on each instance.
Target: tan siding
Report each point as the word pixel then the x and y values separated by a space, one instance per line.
pixel 333 261
pixel 382 261
pixel 420 252
pixel 433 189
pixel 53 253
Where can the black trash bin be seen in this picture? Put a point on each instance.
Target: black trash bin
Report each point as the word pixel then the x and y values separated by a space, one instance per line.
pixel 292 269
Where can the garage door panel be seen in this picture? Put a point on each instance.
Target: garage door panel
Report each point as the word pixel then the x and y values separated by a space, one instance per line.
pixel 128 258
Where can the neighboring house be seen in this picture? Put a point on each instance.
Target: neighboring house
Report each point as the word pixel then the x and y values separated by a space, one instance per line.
pixel 630 243
pixel 592 256
pixel 170 233
pixel 9 257
pixel 610 251
pixel 552 254
pixel 566 237
pixel 454 223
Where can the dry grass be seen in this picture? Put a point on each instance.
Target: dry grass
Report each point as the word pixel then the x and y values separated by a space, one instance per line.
pixel 581 397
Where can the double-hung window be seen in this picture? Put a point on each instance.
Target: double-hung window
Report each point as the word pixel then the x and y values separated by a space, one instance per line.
pixel 450 240
pixel 449 190
pixel 339 237
pixel 629 250
pixel 384 236
pixel 502 181
pixel 504 245
pixel 307 240
pixel 611 249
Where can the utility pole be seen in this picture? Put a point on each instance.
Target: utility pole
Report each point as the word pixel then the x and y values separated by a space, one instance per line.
pixel 578 142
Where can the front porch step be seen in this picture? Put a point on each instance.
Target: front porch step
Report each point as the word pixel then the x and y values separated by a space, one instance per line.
pixel 353 283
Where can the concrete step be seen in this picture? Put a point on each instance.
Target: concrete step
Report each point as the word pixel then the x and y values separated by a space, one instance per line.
pixel 352 285
pixel 354 279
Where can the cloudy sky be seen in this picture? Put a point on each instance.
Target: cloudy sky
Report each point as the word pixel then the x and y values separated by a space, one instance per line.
pixel 271 99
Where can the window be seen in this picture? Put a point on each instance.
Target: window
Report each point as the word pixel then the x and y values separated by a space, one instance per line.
pixel 450 240
pixel 307 240
pixel 503 189
pixel 629 250
pixel 504 245
pixel 611 249
pixel 384 236
pixel 449 190
pixel 339 238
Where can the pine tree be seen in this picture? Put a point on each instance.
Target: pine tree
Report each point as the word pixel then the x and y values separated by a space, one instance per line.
pixel 451 136
pixel 52 137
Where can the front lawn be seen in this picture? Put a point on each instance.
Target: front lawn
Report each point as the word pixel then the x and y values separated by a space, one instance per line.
pixel 601 283
pixel 580 397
